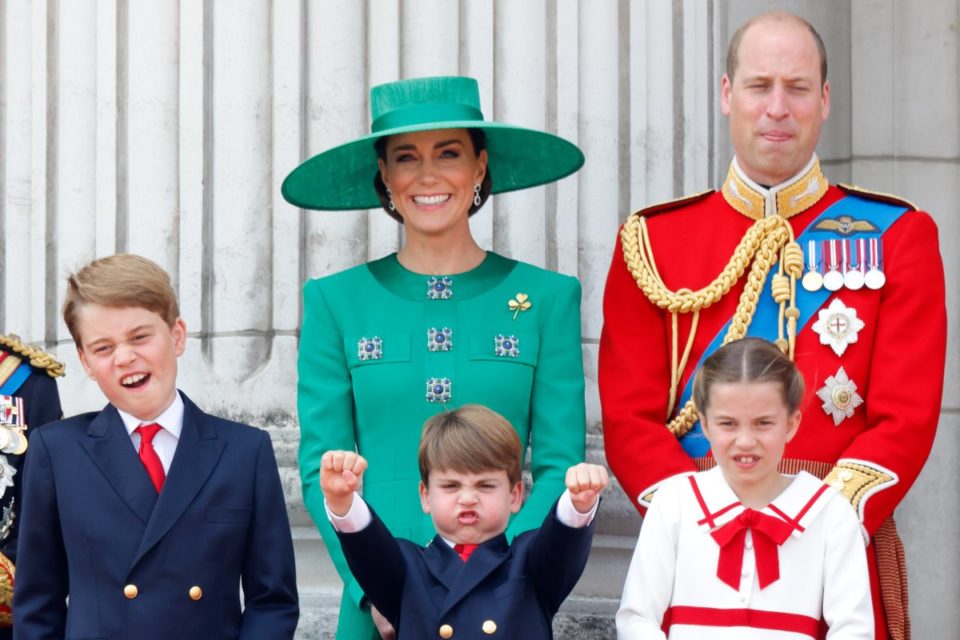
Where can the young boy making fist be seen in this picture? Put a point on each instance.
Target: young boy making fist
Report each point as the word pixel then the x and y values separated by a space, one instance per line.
pixel 469 578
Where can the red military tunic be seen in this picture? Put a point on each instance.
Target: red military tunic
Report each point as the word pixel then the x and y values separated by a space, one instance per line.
pixel 877 448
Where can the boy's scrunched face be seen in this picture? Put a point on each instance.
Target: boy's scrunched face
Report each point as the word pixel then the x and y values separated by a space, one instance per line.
pixel 132 354
pixel 470 508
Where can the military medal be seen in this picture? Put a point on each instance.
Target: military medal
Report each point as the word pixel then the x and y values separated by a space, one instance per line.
pixel 839 396
pixel 853 274
pixel 12 426
pixel 875 279
pixel 833 280
pixel 6 475
pixel 837 326
pixel 812 280
pixel 6 523
pixel 18 442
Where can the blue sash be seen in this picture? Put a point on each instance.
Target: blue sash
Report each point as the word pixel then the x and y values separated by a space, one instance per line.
pixel 16 379
pixel 766 317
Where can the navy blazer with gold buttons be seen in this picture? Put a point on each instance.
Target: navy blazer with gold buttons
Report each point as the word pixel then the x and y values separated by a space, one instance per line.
pixel 505 590
pixel 140 565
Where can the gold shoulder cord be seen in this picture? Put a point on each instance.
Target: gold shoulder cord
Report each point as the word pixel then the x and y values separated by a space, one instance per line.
pixel 768 241
pixel 38 358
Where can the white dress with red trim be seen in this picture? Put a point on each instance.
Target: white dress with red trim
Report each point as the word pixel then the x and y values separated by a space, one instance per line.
pixel 708 568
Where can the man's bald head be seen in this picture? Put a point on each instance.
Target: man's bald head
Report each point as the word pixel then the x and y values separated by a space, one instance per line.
pixel 733 52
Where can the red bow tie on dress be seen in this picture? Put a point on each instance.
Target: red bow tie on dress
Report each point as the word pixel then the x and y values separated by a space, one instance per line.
pixel 768 534
pixel 465 550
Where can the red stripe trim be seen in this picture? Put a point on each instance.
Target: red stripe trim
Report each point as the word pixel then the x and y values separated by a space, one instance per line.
pixel 795 522
pixel 732 505
pixel 752 618
pixel 708 517
pixel 700 500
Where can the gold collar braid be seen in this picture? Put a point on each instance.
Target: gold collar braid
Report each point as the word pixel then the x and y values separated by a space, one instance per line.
pixel 769 241
pixel 786 199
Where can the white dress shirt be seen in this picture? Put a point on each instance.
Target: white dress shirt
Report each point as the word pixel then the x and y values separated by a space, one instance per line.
pixel 165 442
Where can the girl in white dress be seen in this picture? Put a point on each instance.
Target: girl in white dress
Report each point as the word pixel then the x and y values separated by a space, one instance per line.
pixel 742 551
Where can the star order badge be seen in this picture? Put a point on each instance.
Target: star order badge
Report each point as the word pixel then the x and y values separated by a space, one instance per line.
pixel 837 326
pixel 839 396
pixel 6 475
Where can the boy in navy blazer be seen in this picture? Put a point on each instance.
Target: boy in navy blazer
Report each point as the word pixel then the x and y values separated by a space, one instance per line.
pixel 469 582
pixel 150 515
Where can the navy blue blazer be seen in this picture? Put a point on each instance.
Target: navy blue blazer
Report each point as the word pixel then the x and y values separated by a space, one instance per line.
pixel 505 590
pixel 140 566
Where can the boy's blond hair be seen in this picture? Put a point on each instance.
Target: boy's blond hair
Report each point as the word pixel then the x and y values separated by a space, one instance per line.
pixel 471 439
pixel 122 280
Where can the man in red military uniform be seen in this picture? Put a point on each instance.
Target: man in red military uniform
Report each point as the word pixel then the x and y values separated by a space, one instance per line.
pixel 849 283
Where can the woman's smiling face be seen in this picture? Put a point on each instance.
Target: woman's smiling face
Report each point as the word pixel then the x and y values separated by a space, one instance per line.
pixel 431 176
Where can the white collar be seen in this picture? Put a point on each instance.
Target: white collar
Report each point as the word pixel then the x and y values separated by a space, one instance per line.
pixel 171 419
pixel 800 502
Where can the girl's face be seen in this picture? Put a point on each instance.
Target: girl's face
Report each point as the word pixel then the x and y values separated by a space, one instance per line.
pixel 431 176
pixel 748 425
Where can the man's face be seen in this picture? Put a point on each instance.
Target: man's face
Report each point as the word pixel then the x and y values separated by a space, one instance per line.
pixel 775 102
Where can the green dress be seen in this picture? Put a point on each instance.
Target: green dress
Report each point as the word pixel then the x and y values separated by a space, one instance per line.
pixel 382 349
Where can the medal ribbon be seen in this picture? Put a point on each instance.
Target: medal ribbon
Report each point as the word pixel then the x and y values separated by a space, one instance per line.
pixel 768 534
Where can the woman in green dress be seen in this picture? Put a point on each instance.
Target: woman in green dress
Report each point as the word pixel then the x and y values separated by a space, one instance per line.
pixel 440 323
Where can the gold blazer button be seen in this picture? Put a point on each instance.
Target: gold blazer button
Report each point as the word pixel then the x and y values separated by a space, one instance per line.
pixel 489 627
pixel 195 593
pixel 446 631
pixel 131 591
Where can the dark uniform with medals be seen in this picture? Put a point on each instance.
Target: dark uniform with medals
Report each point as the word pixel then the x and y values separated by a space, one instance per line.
pixel 28 399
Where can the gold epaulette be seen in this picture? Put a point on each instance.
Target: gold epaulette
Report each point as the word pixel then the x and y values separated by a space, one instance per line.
pixel 672 204
pixel 877 195
pixel 39 358
pixel 857 480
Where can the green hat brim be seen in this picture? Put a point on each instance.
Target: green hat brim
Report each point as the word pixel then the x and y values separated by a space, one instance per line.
pixel 341 178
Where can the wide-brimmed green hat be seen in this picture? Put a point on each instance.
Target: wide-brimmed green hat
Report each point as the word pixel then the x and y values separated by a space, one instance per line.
pixel 342 177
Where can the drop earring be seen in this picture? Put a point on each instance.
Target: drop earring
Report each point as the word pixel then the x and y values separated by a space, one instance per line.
pixel 476 195
pixel 390 204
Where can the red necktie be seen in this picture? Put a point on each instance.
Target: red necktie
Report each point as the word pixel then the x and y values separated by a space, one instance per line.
pixel 768 534
pixel 148 455
pixel 465 550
